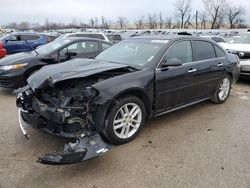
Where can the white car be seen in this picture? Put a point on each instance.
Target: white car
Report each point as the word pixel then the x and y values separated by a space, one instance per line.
pixel 241 47
pixel 95 35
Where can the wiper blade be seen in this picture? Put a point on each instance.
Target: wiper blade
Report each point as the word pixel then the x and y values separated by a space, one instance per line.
pixel 32 47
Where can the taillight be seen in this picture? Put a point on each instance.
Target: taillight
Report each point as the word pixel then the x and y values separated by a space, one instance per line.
pixel 1 45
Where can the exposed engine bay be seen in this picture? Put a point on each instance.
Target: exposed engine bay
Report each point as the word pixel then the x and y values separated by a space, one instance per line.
pixel 65 109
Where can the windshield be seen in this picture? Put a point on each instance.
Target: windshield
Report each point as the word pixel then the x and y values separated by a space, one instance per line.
pixel 50 47
pixel 243 39
pixel 133 52
pixel 4 37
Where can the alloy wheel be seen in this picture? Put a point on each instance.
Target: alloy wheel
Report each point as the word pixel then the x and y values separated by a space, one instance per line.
pixel 127 120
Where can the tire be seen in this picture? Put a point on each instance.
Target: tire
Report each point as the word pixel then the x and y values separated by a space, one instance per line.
pixel 223 90
pixel 126 127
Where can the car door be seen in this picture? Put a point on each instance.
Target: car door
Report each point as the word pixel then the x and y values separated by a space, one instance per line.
pixel 176 85
pixel 13 44
pixel 31 41
pixel 83 49
pixel 210 67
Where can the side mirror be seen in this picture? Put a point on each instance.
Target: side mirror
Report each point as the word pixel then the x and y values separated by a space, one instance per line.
pixel 70 54
pixel 173 62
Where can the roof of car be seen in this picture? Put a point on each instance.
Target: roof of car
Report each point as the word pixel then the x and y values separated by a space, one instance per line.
pixel 84 38
pixel 165 37
pixel 25 33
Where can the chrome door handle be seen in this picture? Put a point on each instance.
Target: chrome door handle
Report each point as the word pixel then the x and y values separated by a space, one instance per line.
pixel 192 70
pixel 220 64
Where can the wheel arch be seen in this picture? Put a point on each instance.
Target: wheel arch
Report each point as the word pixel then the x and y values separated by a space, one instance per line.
pixel 103 110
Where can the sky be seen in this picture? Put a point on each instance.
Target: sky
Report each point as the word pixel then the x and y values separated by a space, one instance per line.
pixel 82 10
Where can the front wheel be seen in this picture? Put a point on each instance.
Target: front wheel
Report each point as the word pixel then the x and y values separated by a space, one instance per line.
pixel 223 90
pixel 125 120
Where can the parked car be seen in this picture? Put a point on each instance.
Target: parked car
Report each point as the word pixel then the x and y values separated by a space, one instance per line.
pixel 115 93
pixel 15 69
pixel 22 42
pixel 241 47
pixel 114 38
pixel 3 51
pixel 50 36
pixel 100 36
pixel 217 39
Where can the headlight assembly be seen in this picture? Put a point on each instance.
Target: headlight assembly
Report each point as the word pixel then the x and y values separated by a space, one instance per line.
pixel 13 67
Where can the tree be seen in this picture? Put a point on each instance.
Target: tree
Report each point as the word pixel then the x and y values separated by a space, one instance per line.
pixel 169 23
pixel 96 22
pixel 152 21
pixel 234 15
pixel 12 25
pixel 46 24
pixel 92 22
pixel 203 20
pixel 216 9
pixel 24 25
pixel 122 22
pixel 105 24
pixel 182 11
pixel 140 22
pixel 160 20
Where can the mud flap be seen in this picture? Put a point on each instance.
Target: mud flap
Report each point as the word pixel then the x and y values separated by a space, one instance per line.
pixel 84 149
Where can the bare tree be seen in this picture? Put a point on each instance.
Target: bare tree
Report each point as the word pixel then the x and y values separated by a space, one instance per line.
pixel 140 22
pixel 196 19
pixel 234 15
pixel 188 22
pixel 24 25
pixel 122 22
pixel 92 23
pixel 160 20
pixel 152 21
pixel 96 22
pixel 12 25
pixel 183 10
pixel 104 23
pixel 203 20
pixel 169 23
pixel 216 9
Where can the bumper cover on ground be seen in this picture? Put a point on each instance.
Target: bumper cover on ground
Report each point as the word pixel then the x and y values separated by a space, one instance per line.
pixel 85 148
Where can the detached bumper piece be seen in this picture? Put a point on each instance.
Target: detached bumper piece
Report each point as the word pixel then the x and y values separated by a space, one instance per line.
pixel 84 149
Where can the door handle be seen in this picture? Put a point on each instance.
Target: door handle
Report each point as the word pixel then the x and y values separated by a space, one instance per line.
pixel 192 70
pixel 220 64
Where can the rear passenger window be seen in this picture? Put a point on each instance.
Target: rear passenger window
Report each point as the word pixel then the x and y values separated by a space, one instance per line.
pixel 30 37
pixel 105 46
pixel 204 50
pixel 219 52
pixel 182 51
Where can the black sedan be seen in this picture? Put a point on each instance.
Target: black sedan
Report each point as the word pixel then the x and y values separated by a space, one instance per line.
pixel 15 69
pixel 113 95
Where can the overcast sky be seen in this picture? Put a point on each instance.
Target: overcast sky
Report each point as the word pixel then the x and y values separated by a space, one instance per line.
pixel 66 10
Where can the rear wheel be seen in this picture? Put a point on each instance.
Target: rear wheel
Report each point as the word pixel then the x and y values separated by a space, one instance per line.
pixel 125 120
pixel 223 90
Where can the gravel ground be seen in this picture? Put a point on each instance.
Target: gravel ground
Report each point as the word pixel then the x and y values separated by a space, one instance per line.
pixel 205 145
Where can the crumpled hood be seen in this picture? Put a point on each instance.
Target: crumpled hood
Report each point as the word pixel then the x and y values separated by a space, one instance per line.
pixel 76 68
pixel 236 47
pixel 17 58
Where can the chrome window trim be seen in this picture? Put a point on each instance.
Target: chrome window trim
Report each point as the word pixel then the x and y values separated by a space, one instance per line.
pixel 193 62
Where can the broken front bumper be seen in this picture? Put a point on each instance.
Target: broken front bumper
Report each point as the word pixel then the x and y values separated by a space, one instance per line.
pixel 85 148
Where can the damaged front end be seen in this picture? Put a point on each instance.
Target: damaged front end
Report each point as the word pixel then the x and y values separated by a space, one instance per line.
pixel 64 109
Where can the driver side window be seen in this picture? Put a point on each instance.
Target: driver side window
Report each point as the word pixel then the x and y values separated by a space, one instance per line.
pixel 181 51
pixel 15 38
